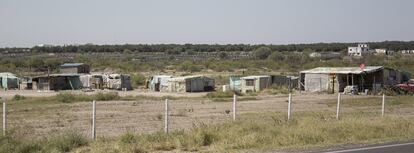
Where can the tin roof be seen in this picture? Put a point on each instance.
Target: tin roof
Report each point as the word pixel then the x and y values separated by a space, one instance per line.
pixel 59 75
pixel 343 70
pixel 162 76
pixel 7 75
pixel 185 77
pixel 256 77
pixel 71 64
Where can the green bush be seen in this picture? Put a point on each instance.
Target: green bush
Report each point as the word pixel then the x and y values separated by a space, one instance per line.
pixel 189 66
pixel 18 97
pixel 128 138
pixel 65 97
pixel 137 80
pixel 29 147
pixel 107 96
pixel 220 94
pixel 67 142
pixel 62 143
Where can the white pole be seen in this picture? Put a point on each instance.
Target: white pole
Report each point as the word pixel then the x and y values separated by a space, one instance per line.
pixel 93 119
pixel 289 105
pixel 338 106
pixel 4 118
pixel 234 106
pixel 166 117
pixel 383 105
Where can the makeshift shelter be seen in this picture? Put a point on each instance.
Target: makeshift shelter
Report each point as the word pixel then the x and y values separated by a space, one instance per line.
pixel 191 84
pixel 58 82
pixel 235 83
pixel 92 81
pixel 255 83
pixel 159 82
pixel 74 68
pixel 288 81
pixel 118 81
pixel 9 81
pixel 336 79
pixel 26 83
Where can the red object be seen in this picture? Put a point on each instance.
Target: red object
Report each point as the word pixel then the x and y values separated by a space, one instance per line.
pixel 362 66
pixel 408 86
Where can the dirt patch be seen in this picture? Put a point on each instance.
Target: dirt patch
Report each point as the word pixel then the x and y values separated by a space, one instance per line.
pixel 146 115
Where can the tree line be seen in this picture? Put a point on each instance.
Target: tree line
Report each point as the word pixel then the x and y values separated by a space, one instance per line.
pixel 193 48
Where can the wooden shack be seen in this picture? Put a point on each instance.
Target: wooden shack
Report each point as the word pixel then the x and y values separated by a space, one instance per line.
pixel 72 68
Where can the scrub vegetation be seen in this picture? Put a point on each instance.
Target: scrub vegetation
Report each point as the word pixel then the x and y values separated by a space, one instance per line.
pixel 60 143
pixel 140 59
pixel 68 97
pixel 256 131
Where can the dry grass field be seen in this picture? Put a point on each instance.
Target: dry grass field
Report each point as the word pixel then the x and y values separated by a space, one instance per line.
pixel 39 115
pixel 144 112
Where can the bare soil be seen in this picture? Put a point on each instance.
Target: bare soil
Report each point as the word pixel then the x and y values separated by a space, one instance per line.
pixel 146 115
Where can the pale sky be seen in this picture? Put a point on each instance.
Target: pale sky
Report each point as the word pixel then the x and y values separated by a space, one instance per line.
pixel 25 23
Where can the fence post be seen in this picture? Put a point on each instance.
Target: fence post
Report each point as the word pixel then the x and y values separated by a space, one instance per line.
pixel 383 105
pixel 166 117
pixel 338 106
pixel 289 105
pixel 4 118
pixel 93 119
pixel 234 107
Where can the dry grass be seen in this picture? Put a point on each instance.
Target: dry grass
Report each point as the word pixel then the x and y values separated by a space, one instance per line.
pixel 402 101
pixel 60 143
pixel 269 131
pixel 252 131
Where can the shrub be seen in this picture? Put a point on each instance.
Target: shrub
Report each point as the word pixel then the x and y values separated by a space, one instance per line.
pixel 62 143
pixel 69 97
pixel 128 138
pixel 189 66
pixel 65 97
pixel 137 80
pixel 262 52
pixel 67 142
pixel 220 94
pixel 107 96
pixel 19 97
pixel 29 147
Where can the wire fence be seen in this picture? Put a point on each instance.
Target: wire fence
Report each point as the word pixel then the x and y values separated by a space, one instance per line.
pixel 112 118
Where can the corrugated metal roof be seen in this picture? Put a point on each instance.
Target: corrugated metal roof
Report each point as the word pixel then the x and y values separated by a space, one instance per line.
pixel 256 77
pixel 59 75
pixel 343 70
pixel 162 76
pixel 8 75
pixel 71 64
pixel 185 77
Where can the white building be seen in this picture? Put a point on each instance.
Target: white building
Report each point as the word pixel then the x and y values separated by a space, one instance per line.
pixel 407 51
pixel 384 51
pixel 361 50
pixel 381 51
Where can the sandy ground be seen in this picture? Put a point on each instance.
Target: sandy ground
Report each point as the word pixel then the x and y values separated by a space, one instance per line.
pixel 146 116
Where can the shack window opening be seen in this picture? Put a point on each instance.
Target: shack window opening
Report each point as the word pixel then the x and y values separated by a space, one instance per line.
pixel 250 82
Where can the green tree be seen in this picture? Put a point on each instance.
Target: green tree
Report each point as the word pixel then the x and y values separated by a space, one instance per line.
pixel 223 55
pixel 262 52
pixel 277 56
